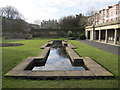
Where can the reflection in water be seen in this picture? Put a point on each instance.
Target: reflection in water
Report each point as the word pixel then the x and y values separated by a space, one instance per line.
pixel 58 60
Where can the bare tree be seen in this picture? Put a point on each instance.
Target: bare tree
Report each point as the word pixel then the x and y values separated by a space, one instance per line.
pixel 10 13
pixel 92 15
pixel 73 21
pixel 92 20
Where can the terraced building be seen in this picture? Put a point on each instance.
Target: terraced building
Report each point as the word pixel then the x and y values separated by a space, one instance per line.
pixel 106 25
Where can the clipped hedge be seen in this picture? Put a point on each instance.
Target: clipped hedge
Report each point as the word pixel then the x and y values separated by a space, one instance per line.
pixel 19 36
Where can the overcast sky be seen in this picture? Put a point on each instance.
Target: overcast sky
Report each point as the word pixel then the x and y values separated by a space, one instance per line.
pixel 54 9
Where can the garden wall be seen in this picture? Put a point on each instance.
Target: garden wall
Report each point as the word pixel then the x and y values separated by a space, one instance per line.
pixel 53 32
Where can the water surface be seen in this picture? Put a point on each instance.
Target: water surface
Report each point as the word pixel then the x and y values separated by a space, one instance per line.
pixel 58 60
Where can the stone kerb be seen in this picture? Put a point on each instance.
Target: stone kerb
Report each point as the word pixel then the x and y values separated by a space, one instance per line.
pixel 64 43
pixel 74 57
pixel 42 47
pixel 44 52
pixel 71 46
pixel 96 68
pixel 51 42
pixel 47 44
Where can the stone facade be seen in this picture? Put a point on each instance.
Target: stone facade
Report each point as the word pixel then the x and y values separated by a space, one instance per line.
pixel 107 26
pixel 50 24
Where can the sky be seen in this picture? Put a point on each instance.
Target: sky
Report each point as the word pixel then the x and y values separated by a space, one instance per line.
pixel 38 10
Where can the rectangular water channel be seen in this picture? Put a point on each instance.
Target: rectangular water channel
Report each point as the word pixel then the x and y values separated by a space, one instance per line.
pixel 58 60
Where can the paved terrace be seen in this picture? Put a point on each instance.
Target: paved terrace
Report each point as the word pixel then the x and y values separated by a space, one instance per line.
pixel 109 48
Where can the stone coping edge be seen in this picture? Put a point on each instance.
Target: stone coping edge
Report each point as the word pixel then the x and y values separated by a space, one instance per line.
pixel 74 57
pixel 47 44
pixel 95 70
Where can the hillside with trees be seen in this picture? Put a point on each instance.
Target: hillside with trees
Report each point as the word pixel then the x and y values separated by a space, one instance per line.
pixel 74 24
pixel 13 23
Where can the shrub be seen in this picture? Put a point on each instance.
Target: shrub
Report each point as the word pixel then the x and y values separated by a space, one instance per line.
pixel 19 36
pixel 28 36
pixel 82 36
pixel 70 34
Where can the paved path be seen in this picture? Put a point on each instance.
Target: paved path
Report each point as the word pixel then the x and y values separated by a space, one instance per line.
pixel 105 47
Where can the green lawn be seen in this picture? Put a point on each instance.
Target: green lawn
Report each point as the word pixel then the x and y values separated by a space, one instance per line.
pixel 11 56
pixel 107 60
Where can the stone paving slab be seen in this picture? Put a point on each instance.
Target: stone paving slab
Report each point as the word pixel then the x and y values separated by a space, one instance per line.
pixel 36 74
pixel 55 73
pixel 71 46
pixel 42 47
pixel 64 43
pixel 47 73
pixel 13 73
pixel 73 56
pixel 95 68
pixel 73 73
pixel 98 73
pixel 44 52
pixel 45 45
pixel 87 73
pixel 22 65
pixel 51 42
